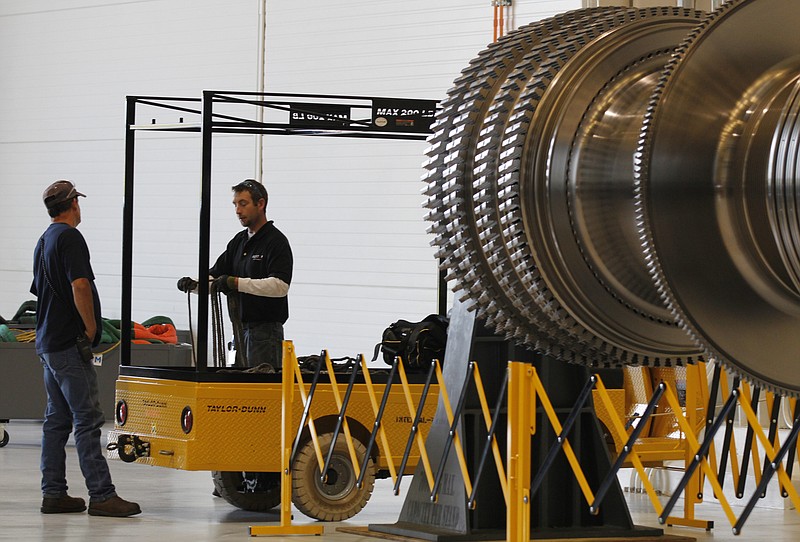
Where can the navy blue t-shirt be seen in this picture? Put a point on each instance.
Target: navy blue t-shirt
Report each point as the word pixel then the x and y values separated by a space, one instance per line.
pixel 66 257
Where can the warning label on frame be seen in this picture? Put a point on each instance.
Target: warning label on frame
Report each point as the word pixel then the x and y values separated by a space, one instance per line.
pixel 311 115
pixel 403 115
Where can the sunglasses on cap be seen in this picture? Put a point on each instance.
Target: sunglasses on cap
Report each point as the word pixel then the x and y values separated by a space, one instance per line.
pixel 256 189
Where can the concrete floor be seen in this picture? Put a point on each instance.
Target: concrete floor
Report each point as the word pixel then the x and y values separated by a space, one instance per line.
pixel 178 506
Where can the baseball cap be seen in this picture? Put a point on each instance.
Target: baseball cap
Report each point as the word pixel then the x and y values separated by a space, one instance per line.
pixel 59 192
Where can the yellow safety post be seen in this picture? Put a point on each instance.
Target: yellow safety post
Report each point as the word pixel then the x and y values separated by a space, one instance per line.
pixel 619 428
pixel 521 425
pixel 287 390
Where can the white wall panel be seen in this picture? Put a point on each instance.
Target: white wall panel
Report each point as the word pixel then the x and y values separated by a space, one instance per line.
pixel 65 69
pixel 351 208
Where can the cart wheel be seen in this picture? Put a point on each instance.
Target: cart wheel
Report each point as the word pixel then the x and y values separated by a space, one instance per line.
pixel 252 491
pixel 5 438
pixel 337 498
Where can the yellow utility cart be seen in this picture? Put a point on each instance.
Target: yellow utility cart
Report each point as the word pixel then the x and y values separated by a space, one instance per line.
pixel 203 418
pixel 229 423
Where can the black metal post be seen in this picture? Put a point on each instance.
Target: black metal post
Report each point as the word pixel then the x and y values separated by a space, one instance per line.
pixel 441 293
pixel 712 396
pixel 748 446
pixel 206 132
pixel 792 450
pixel 127 233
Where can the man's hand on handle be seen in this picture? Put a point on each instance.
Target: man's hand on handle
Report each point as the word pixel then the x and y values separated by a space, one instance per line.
pixel 187 284
pixel 225 284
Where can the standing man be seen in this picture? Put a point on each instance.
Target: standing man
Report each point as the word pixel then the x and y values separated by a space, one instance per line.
pixel 67 325
pixel 257 263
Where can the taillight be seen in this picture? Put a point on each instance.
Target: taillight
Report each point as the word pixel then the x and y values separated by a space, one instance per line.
pixel 121 412
pixel 187 420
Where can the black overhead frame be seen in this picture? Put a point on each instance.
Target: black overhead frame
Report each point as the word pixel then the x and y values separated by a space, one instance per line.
pixel 226 112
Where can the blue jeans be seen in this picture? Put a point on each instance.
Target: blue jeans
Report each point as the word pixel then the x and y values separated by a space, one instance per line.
pixel 72 398
pixel 264 343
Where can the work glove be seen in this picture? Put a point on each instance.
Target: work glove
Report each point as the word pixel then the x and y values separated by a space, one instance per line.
pixel 225 284
pixel 187 284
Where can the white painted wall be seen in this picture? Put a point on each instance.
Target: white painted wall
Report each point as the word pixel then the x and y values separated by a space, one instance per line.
pixel 351 208
pixel 65 69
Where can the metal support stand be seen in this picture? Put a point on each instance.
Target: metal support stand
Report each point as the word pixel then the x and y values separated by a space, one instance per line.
pixel 558 509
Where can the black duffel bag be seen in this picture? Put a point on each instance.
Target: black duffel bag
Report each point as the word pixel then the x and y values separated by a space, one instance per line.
pixel 416 343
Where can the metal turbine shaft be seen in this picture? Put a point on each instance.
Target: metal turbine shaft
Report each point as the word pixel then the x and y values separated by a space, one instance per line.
pixel 619 186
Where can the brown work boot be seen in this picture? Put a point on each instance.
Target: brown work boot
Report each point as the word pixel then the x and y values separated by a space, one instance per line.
pixel 115 507
pixel 62 505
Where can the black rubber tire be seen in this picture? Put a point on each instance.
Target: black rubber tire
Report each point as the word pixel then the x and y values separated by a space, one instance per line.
pixel 237 489
pixel 337 498
pixel 5 439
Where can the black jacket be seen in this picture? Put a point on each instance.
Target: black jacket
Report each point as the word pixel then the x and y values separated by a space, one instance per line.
pixel 266 254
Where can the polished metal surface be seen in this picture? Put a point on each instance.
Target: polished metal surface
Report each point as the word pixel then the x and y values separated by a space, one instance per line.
pixel 619 186
pixel 720 194
pixel 520 235
pixel 579 208
pixel 471 246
